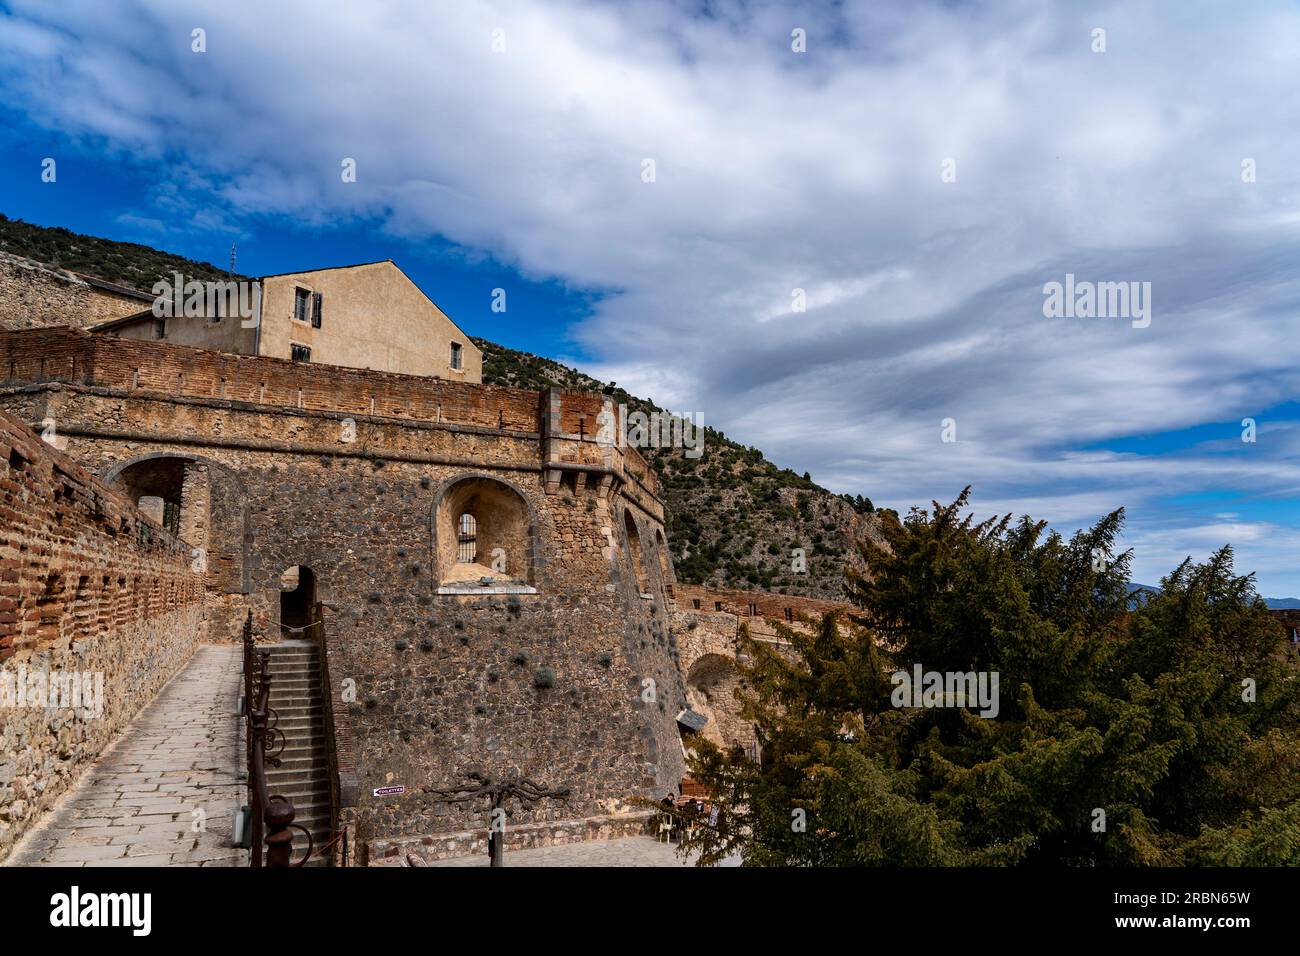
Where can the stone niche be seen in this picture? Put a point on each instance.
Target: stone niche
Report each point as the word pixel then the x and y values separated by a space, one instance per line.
pixel 483 536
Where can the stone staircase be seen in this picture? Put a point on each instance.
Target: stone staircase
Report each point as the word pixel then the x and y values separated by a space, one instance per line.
pixel 303 774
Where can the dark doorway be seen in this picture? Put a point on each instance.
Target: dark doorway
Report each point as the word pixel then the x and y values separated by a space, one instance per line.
pixel 297 602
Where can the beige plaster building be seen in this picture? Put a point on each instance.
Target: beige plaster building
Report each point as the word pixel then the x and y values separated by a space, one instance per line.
pixel 368 316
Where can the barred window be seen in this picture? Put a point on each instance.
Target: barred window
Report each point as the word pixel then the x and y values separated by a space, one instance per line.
pixel 467 539
pixel 456 359
pixel 300 353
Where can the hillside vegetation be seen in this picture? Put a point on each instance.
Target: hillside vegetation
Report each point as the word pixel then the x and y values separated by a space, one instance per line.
pixel 126 263
pixel 735 519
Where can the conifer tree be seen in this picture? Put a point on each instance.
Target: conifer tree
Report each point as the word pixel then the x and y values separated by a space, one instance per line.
pixel 1159 732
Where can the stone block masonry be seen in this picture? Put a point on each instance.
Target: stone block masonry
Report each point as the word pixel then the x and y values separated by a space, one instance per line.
pixel 34 295
pixel 98 608
pixel 351 485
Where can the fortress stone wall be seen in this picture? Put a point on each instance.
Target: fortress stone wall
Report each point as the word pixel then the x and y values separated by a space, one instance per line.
pixel 35 295
pixel 564 669
pixel 98 608
pixel 707 622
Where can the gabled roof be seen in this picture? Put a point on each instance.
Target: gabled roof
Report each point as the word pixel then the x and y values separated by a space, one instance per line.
pixel 355 265
pixel 124 320
pixel 113 287
pixel 380 262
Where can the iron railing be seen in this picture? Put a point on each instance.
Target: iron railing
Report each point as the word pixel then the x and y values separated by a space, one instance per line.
pixel 270 815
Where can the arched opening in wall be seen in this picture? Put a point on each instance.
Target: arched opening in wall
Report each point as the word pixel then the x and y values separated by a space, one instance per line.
pixel 483 535
pixel 635 553
pixel 665 566
pixel 711 685
pixel 156 487
pixel 297 602
pixel 200 500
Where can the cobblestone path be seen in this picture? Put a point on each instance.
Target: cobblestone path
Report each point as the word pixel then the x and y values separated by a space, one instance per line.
pixel 628 851
pixel 165 792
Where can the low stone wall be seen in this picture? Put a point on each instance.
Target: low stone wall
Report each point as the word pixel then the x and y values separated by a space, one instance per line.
pixel 99 607
pixel 34 295
pixel 444 846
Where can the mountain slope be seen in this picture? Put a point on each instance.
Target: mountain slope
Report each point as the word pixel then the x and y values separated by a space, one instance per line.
pixel 125 263
pixel 734 518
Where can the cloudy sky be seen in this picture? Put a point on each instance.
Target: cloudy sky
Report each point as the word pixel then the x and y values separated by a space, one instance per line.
pixel 920 171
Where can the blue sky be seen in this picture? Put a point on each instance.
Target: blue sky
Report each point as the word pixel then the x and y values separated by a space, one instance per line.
pixel 102 193
pixel 916 176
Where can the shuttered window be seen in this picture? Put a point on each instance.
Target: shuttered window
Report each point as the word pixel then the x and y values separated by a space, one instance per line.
pixel 301 303
pixel 315 309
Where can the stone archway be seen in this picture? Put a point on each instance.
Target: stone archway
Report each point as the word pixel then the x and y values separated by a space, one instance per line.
pixel 711 683
pixel 636 554
pixel 665 563
pixel 483 529
pixel 202 501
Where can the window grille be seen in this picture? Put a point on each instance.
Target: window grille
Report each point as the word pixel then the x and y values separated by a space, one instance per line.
pixel 467 540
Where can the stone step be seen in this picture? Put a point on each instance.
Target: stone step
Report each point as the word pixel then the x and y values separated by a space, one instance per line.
pixel 302 799
pixel 294 751
pixel 306 725
pixel 302 733
pixel 295 695
pixel 299 712
pixel 307 761
pixel 287 775
pixel 294 777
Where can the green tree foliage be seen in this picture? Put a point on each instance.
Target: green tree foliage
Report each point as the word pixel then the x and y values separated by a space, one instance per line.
pixel 126 263
pixel 1135 711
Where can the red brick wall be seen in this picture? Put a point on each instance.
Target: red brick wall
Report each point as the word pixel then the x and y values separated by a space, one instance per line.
pixel 765 603
pixel 88 586
pixel 75 557
pixel 73 355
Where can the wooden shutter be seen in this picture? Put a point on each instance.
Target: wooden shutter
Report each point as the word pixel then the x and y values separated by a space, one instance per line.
pixel 315 310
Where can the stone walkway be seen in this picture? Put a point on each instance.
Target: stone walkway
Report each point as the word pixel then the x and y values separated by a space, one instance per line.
pixel 165 792
pixel 628 851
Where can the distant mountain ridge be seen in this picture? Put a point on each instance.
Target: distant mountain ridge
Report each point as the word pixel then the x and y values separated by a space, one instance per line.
pixel 1280 604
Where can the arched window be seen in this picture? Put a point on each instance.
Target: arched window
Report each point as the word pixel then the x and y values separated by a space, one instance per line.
pixel 635 554
pixel 483 535
pixel 467 540
pixel 665 564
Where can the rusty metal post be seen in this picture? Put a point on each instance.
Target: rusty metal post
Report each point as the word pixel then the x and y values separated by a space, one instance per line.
pixel 279 839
